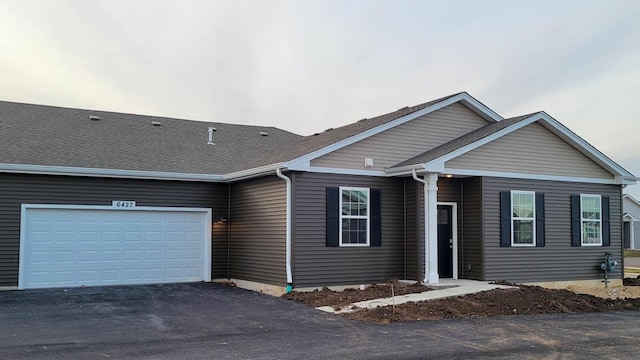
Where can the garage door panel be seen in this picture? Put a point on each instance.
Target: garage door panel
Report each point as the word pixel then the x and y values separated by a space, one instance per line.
pixel 68 247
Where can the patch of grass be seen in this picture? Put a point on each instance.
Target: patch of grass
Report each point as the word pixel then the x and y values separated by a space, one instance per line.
pixel 631 253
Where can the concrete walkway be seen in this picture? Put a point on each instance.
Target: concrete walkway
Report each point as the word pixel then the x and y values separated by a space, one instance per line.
pixel 446 288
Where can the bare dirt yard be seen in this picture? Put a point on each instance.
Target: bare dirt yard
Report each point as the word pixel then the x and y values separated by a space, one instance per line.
pixel 520 300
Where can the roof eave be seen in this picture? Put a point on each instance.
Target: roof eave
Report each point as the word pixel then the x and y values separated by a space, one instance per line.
pixel 109 173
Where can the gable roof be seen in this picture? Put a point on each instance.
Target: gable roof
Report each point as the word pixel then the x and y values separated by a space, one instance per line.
pixel 434 159
pixel 39 135
pixel 463 140
pixel 332 139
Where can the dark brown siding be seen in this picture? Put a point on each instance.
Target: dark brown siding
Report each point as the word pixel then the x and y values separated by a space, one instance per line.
pixel 257 242
pixel 558 260
pixel 318 265
pixel 412 231
pixel 471 248
pixel 16 189
pixel 448 191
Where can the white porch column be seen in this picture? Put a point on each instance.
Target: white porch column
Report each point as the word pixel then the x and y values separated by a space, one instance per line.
pixel 431 228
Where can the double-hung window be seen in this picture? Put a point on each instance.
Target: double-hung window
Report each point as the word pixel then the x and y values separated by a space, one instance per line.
pixel 354 216
pixel 591 220
pixel 523 218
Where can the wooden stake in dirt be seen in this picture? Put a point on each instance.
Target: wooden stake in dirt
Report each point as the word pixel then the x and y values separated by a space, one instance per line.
pixel 393 299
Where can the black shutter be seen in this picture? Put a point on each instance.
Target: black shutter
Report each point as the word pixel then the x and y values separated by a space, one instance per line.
pixel 540 220
pixel 333 216
pixel 576 228
pixel 375 237
pixel 505 218
pixel 606 227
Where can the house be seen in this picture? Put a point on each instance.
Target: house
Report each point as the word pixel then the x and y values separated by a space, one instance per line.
pixel 444 189
pixel 631 222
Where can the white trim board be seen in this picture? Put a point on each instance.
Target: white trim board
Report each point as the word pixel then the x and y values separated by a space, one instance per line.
pixel 206 229
pixel 108 173
pixel 468 100
pixel 454 230
pixel 571 138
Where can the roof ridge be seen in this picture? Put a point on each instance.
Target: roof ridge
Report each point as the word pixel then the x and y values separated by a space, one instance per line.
pixel 160 117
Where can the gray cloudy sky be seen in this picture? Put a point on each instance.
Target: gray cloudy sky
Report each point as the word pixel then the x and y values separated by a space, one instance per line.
pixel 307 65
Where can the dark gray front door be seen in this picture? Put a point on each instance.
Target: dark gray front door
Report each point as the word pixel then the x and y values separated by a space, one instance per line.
pixel 445 241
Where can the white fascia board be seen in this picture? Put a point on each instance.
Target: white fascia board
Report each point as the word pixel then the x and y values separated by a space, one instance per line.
pixel 632 199
pixel 587 148
pixel 254 172
pixel 629 217
pixel 404 170
pixel 438 163
pixel 500 174
pixel 328 170
pixel 109 173
pixel 462 97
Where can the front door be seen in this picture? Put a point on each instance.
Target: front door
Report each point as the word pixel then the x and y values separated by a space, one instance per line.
pixel 445 241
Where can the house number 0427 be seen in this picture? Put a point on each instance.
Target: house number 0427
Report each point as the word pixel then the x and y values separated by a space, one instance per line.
pixel 123 204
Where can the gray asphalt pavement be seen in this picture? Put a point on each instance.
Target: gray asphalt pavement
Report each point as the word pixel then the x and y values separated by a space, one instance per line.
pixel 210 321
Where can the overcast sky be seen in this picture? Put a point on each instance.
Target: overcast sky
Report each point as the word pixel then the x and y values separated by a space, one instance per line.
pixel 306 66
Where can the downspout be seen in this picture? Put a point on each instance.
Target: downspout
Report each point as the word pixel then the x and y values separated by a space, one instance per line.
pixel 426 236
pixel 288 229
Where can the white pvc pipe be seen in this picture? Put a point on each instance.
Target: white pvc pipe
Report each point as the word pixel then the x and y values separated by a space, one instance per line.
pixel 288 227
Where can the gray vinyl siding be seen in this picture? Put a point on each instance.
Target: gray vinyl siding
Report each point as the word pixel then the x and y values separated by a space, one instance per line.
pixel 257 242
pixel 405 141
pixel 532 150
pixel 17 189
pixel 315 264
pixel 472 229
pixel 558 260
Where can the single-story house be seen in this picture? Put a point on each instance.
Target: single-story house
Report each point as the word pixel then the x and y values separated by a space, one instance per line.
pixel 444 189
pixel 631 224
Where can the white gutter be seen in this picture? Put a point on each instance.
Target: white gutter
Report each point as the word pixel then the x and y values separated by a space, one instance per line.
pixel 426 221
pixel 288 227
pixel 254 172
pixel 112 173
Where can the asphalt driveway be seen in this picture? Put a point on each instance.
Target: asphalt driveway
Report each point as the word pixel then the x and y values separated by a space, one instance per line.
pixel 210 321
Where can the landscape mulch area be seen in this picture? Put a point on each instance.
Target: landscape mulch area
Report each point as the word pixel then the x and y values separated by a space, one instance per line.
pixel 520 300
pixel 337 299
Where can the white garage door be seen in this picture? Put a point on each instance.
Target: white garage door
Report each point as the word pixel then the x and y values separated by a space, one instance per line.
pixel 99 245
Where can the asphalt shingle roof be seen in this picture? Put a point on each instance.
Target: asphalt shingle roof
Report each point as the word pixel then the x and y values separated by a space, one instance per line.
pixel 56 136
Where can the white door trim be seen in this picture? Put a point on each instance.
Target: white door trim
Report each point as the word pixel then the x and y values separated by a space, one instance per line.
pixel 23 230
pixel 454 230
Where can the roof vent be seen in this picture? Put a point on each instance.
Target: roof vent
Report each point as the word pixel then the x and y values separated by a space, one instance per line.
pixel 94 117
pixel 156 123
pixel 361 120
pixel 211 130
pixel 329 129
pixel 403 108
pixel 262 133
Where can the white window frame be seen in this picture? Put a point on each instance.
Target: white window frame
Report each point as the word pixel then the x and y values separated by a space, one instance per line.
pixel 532 219
pixel 367 217
pixel 583 220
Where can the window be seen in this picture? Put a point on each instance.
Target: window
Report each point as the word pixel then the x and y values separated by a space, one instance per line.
pixel 354 216
pixel 591 220
pixel 523 218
